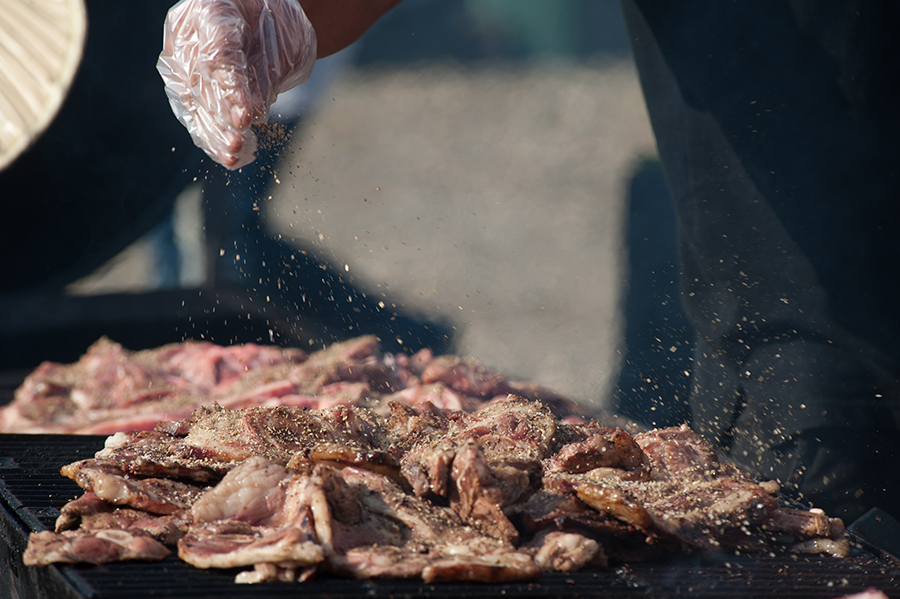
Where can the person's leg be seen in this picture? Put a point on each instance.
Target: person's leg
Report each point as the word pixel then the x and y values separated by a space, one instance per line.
pixel 779 166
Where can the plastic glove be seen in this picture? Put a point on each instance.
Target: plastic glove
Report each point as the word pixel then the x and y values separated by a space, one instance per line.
pixel 224 62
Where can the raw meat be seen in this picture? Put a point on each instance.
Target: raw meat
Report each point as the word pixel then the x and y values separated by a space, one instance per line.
pixel 111 389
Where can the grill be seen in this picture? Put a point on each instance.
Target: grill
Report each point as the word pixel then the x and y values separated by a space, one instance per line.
pixel 32 491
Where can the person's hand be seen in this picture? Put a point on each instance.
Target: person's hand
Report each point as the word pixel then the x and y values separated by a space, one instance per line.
pixel 224 62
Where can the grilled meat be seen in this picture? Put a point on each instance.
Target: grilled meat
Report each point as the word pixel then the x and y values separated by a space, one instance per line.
pixel 91 547
pixel 567 551
pixel 500 494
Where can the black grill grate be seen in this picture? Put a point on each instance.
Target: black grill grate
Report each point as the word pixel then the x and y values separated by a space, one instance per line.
pixel 32 491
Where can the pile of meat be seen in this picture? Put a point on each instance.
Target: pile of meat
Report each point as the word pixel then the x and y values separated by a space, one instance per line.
pixel 112 389
pixel 501 494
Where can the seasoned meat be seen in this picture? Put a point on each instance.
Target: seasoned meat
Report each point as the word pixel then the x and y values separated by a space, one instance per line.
pixel 513 436
pixel 112 384
pixel 476 495
pixel 427 468
pixel 71 514
pixel 414 491
pixel 512 428
pixel 465 376
pixel 257 513
pixel 607 448
pixel 153 495
pixel 678 453
pixel 111 389
pixel 160 454
pixel 251 492
pixel 95 547
pixel 687 495
pixel 567 551
pixel 549 510
pixel 423 540
pixel 211 548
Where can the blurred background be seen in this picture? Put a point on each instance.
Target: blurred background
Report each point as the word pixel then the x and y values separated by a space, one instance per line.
pixel 476 176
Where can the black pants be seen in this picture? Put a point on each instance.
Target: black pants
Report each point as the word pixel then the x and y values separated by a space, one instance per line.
pixel 777 126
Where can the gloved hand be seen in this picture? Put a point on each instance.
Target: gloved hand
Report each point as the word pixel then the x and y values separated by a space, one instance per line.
pixel 224 62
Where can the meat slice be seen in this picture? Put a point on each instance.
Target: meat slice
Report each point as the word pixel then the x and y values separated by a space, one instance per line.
pixel 481 565
pixel 212 548
pixel 437 394
pixel 805 523
pixel 165 529
pixel 204 447
pixel 210 367
pixel 427 468
pixel 480 462
pixel 716 514
pixel 360 521
pixel 679 453
pixel 513 436
pixel 477 496
pixel 567 551
pixel 109 483
pixel 375 460
pixel 605 449
pixel 550 510
pixel 686 495
pixel 427 540
pixel 134 389
pixel 526 426
pixel 252 492
pixel 413 425
pixel 701 514
pixel 257 514
pixel 99 547
pixel 281 432
pixel 89 513
pixel 467 376
pixel 161 453
pixel 267 572
pixel 380 561
pixel 810 531
pixel 71 514
pixel 618 500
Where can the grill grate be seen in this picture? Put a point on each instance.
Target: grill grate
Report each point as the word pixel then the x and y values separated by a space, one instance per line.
pixel 32 491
